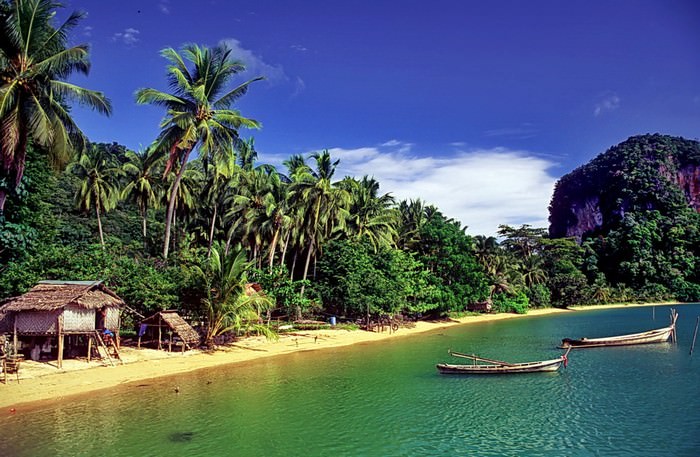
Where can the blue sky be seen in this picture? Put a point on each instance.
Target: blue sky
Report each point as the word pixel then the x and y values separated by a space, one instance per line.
pixel 477 107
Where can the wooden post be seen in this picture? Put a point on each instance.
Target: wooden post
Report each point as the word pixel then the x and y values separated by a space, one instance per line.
pixel 89 354
pixel 695 334
pixel 170 342
pixel 60 340
pixel 159 333
pixel 14 337
pixel 138 345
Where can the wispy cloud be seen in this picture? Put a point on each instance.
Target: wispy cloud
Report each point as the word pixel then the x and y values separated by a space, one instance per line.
pixel 255 65
pixel 607 102
pixel 299 87
pixel 401 147
pixel 299 48
pixel 87 30
pixel 482 188
pixel 164 6
pixel 524 131
pixel 129 36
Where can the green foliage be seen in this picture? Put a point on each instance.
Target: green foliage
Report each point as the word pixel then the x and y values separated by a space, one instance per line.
pixel 517 303
pixel 228 307
pixel 353 281
pixel 285 292
pixel 539 296
pixel 447 252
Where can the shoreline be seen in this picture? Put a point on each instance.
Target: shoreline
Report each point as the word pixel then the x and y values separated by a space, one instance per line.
pixel 42 383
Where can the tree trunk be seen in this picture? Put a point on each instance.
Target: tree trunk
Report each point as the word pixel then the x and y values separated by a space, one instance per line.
pixel 211 231
pixel 3 197
pixel 306 265
pixel 171 204
pixel 99 225
pixel 273 247
pixel 144 214
pixel 284 249
pixel 294 266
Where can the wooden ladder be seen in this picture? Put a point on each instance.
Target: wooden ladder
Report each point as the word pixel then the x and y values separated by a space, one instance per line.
pixel 101 344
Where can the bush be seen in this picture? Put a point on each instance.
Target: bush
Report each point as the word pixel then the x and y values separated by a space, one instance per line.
pixel 518 303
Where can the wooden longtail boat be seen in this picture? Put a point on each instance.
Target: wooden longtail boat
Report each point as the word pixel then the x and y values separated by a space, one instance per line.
pixel 498 366
pixel 659 335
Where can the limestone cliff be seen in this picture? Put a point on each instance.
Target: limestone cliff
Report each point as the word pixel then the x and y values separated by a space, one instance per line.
pixel 644 172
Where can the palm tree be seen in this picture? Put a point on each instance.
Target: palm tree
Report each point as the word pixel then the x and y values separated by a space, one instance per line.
pixel 35 63
pixel 229 307
pixel 98 171
pixel 199 114
pixel 186 194
pixel 142 187
pixel 412 217
pixel 371 216
pixel 322 206
pixel 220 178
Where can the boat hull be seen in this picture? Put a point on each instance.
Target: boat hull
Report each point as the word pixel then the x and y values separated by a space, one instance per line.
pixel 530 367
pixel 650 337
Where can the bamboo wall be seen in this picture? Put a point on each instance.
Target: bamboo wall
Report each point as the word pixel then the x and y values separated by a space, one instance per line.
pixel 39 322
pixel 112 318
pixel 78 319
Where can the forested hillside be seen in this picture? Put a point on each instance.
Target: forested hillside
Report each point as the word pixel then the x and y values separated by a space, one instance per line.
pixel 635 209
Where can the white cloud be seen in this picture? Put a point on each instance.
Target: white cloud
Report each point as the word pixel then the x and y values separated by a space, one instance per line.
pixel 299 48
pixel 299 87
pixel 87 30
pixel 128 36
pixel 164 6
pixel 481 188
pixel 607 102
pixel 255 65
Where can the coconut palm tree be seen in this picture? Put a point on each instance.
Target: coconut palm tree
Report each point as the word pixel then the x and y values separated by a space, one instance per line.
pixel 98 172
pixel 228 306
pixel 35 63
pixel 143 187
pixel 412 217
pixel 199 114
pixel 220 178
pixel 321 205
pixel 371 216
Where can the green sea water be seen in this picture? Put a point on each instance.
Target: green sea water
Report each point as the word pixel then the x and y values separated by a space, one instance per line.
pixel 387 399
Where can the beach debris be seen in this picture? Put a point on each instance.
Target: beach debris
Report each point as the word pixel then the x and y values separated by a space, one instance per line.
pixel 177 389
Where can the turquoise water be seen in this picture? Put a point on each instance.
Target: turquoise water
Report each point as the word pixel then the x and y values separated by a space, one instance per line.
pixel 387 399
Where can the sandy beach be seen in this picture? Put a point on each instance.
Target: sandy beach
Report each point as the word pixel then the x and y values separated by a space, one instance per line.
pixel 43 382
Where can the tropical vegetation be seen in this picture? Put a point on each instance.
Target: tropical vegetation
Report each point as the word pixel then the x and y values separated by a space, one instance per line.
pixel 190 221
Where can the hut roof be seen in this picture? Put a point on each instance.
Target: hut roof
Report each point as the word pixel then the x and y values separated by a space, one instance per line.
pixel 53 295
pixel 178 325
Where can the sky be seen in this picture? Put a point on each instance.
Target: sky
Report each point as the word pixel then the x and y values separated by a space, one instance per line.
pixel 476 107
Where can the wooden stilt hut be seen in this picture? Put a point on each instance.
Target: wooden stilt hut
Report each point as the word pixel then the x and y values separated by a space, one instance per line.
pixel 56 309
pixel 169 322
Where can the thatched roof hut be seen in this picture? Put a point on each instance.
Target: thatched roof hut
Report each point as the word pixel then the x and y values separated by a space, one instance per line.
pixel 54 295
pixel 170 321
pixel 53 309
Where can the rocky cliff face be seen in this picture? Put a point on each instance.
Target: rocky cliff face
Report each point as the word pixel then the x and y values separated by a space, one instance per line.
pixel 646 172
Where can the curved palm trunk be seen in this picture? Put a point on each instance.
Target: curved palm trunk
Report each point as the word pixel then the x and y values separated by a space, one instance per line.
pixel 306 265
pixel 171 204
pixel 211 232
pixel 284 248
pixel 99 225
pixel 273 247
